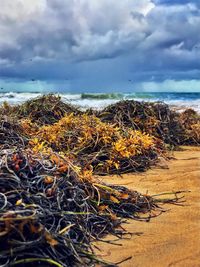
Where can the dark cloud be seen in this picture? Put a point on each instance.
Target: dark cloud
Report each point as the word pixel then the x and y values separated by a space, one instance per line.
pixel 100 42
pixel 176 2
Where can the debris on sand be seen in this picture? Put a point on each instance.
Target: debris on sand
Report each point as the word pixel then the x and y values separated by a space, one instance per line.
pixel 156 119
pixel 52 205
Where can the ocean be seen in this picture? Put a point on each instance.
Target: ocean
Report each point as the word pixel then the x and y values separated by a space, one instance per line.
pixel 98 101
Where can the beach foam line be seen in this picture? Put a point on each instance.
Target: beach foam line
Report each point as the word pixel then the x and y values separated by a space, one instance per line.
pixel 101 100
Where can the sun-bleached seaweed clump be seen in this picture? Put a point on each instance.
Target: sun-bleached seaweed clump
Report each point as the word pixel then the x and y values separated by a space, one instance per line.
pixel 102 147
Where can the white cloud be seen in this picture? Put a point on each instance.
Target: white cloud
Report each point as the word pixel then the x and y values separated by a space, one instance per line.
pixel 20 10
pixel 85 29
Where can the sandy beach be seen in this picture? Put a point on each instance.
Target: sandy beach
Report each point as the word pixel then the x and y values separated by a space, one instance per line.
pixel 99 133
pixel 173 238
pixel 56 164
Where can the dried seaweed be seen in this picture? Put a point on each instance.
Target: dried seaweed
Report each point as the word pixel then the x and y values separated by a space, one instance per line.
pixel 102 147
pixel 52 207
pixel 157 119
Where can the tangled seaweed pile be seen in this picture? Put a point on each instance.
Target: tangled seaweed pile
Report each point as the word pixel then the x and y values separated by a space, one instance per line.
pixel 46 109
pixel 51 205
pixel 191 123
pixel 156 119
pixel 50 212
pixel 102 147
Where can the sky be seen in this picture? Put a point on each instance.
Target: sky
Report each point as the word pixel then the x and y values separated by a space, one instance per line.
pixel 100 45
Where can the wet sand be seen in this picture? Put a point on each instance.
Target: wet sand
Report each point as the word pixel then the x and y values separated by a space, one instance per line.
pixel 173 238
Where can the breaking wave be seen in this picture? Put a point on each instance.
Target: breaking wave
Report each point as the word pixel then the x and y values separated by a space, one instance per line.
pixel 101 100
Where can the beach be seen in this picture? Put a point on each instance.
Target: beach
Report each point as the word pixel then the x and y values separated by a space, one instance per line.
pixel 70 178
pixel 171 239
pixel 100 133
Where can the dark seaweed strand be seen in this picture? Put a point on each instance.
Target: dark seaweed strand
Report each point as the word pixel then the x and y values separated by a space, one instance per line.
pixel 55 224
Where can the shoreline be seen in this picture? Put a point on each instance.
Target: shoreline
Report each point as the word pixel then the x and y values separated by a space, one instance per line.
pixel 177 101
pixel 171 239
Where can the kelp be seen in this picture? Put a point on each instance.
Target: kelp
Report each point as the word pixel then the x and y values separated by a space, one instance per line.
pixel 190 120
pixel 45 109
pixel 102 147
pixel 50 216
pixel 10 136
pixel 52 206
pixel 156 119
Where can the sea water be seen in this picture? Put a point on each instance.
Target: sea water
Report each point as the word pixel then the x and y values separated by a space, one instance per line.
pixel 98 101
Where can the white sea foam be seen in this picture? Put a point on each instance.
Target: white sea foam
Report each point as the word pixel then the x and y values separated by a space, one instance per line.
pixel 17 98
pixel 180 101
pixel 92 103
pixel 99 104
pixel 181 105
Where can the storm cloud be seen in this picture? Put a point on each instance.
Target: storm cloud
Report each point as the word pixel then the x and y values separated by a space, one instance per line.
pixel 94 43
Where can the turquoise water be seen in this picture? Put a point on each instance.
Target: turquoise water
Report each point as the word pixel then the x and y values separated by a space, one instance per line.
pixel 87 100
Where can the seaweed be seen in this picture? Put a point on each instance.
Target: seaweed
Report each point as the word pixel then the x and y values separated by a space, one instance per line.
pixel 51 216
pixel 45 109
pixel 156 118
pixel 99 146
pixel 52 204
